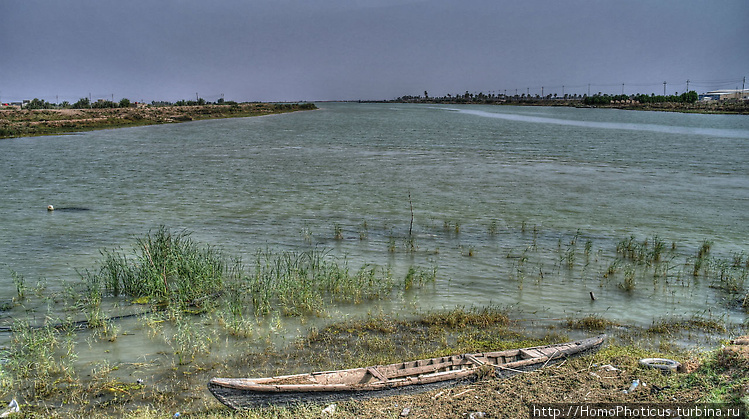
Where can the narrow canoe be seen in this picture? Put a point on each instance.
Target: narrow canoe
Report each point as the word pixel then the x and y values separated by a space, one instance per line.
pixel 393 379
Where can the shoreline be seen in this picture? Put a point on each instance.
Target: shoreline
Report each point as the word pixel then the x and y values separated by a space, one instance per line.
pixel 720 108
pixel 717 374
pixel 15 123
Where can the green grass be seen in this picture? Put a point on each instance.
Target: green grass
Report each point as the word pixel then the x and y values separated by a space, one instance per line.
pixel 165 268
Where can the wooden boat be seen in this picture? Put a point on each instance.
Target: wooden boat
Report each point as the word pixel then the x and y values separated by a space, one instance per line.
pixel 386 380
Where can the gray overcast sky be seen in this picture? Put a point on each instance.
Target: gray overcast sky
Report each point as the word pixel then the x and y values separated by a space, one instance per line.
pixel 288 50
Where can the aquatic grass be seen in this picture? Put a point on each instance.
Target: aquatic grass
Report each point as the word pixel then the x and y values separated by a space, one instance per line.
pixel 704 249
pixel 363 231
pixel 493 228
pixel 629 282
pixel 613 268
pixel 38 359
pixel 590 323
pixel 337 231
pixel 305 283
pixel 306 233
pixel 461 317
pixel 587 250
pixel 20 282
pixel 391 244
pixel 647 252
pixel 166 267
pixel 418 276
pixel 697 323
pixel 702 256
pixel 189 340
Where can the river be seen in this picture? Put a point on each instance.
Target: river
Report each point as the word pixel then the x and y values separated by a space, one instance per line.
pixel 516 207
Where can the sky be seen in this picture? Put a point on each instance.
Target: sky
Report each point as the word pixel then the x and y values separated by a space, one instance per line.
pixel 314 50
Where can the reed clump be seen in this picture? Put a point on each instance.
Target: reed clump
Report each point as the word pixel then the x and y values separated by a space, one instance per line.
pixel 589 323
pixel 304 283
pixel 671 326
pixel 38 361
pixel 165 268
pixel 461 317
pixel 647 252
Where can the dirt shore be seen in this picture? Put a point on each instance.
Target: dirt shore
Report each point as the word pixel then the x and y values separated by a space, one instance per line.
pixel 24 123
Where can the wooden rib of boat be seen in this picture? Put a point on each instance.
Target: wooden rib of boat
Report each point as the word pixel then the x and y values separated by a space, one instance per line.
pixel 386 380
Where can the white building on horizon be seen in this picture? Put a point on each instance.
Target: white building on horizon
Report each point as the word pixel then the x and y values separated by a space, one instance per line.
pixel 726 94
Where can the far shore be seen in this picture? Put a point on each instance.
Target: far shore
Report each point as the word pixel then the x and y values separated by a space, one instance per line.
pixel 16 122
pixel 711 107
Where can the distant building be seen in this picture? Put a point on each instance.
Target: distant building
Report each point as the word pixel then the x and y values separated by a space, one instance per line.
pixel 726 94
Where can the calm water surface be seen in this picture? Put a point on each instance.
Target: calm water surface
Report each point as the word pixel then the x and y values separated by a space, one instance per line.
pixel 549 179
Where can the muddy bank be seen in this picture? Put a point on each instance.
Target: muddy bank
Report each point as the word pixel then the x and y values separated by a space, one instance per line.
pixel 25 123
pixel 149 389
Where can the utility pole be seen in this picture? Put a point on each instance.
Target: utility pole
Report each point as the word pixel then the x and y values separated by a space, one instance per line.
pixel 687 85
pixel 664 88
pixel 622 88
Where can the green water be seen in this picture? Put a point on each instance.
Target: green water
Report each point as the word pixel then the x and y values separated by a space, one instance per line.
pixel 504 200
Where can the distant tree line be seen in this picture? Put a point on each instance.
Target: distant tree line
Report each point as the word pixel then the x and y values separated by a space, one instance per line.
pixel 85 103
pixel 486 98
pixel 599 99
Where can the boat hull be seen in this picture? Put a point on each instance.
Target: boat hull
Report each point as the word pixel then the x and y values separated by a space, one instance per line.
pixel 390 380
pixel 243 399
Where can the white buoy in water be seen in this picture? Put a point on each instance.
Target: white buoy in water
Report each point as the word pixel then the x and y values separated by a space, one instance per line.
pixel 50 208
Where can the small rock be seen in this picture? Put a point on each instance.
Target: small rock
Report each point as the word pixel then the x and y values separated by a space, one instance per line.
pixel 405 412
pixel 476 415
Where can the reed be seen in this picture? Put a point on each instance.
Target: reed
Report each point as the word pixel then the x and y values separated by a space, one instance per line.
pixel 409 244
pixel 165 267
pixel 306 233
pixel 702 255
pixel 493 228
pixel 391 244
pixel 307 282
pixel 589 323
pixel 363 231
pixel 20 282
pixel 462 317
pixel 418 276
pixel 38 358
pixel 629 282
pixel 189 340
pixel 337 231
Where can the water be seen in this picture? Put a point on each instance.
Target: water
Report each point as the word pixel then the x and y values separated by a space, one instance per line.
pixel 546 177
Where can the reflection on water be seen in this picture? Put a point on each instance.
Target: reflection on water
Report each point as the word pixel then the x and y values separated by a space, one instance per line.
pixel 515 207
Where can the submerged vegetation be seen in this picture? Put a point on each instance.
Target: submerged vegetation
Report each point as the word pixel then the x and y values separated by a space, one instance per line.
pixel 165 268
pixel 213 314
